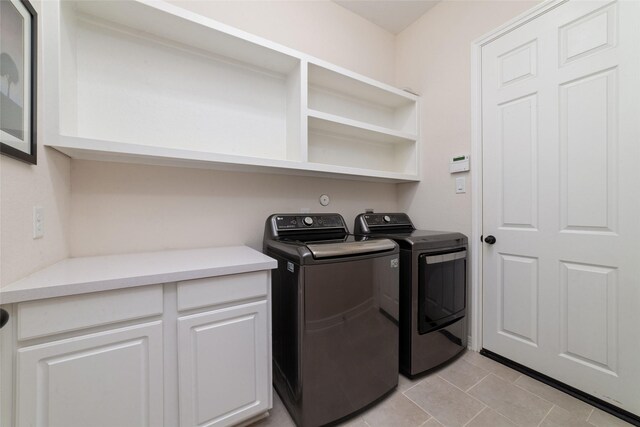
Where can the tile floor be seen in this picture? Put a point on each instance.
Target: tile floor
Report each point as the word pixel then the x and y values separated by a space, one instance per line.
pixel 472 391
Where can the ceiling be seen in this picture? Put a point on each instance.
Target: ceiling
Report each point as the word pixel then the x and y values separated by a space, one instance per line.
pixel 392 15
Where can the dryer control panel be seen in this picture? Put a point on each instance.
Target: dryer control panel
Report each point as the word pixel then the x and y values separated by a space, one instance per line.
pixel 378 222
pixel 390 219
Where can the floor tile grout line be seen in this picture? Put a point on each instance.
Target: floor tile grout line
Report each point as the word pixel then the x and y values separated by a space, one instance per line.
pixel 514 382
pixel 462 359
pixel 480 401
pixel 416 384
pixel 449 382
pixel 500 413
pixel 427 420
pixel 532 393
pixel 490 370
pixel 495 409
pixel 546 415
pixel 469 361
pixel 466 359
pixel 421 408
pixel 537 395
pixel 476 383
pixel 473 397
pixel 476 415
pixel 553 403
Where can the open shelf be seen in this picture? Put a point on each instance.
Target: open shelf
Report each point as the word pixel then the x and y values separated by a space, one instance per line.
pixel 111 151
pixel 339 141
pixel 361 99
pixel 161 20
pixel 331 123
pixel 145 81
pixel 140 75
pixel 339 150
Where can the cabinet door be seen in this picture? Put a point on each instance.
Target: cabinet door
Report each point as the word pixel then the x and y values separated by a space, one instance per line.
pixel 223 365
pixel 110 378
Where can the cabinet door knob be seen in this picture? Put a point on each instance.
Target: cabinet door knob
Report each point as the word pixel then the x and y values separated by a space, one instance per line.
pixel 490 240
pixel 4 317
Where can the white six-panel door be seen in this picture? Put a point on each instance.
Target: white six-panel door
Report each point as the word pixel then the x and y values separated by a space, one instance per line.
pixel 561 194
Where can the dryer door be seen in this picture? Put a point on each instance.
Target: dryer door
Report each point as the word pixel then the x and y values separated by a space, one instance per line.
pixel 441 289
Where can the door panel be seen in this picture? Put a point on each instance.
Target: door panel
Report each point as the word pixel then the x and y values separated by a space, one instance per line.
pixel 588 167
pixel 561 132
pixel 519 298
pixel 588 34
pixel 588 315
pixel 519 63
pixel 62 383
pixel 223 365
pixel 519 158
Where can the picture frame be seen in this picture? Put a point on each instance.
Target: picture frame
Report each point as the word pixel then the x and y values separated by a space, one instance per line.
pixel 18 80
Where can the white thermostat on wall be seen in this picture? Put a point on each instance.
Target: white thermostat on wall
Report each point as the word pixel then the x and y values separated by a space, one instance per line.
pixel 459 164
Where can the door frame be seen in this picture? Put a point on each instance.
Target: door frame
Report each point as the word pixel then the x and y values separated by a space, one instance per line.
pixel 475 341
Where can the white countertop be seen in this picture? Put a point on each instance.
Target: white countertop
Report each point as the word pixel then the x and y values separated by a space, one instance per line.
pixel 101 273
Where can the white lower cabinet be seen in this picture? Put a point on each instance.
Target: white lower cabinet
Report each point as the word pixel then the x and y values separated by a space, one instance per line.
pixel 111 359
pixel 223 365
pixel 109 378
pixel 157 339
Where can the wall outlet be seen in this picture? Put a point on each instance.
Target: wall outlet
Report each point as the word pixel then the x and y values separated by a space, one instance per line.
pixel 38 222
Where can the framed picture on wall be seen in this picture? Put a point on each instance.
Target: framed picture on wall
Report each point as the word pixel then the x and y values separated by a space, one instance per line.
pixel 18 53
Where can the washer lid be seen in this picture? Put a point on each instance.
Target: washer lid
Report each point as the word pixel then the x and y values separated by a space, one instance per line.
pixel 344 249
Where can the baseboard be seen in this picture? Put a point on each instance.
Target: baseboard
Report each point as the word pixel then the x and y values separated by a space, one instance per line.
pixel 470 344
pixel 578 394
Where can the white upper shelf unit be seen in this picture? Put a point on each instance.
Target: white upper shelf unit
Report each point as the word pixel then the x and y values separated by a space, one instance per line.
pixel 150 82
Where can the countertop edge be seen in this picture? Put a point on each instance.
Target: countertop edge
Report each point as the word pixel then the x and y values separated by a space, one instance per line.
pixel 17 295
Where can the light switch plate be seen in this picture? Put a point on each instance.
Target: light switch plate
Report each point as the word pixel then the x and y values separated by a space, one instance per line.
pixel 461 185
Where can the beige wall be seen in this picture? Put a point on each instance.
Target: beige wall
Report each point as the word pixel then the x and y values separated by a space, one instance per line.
pixel 434 58
pixel 23 186
pixel 317 27
pixel 128 208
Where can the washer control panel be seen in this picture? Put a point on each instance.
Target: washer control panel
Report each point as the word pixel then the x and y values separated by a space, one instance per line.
pixel 313 221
